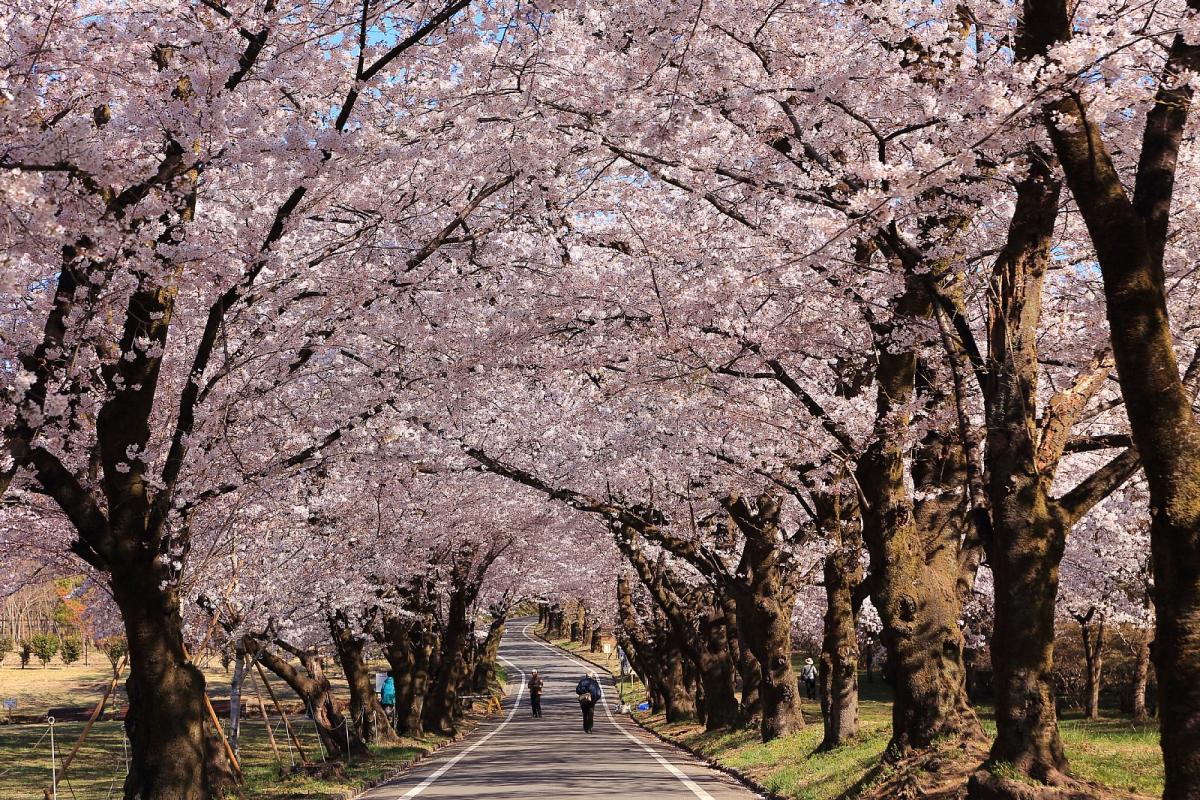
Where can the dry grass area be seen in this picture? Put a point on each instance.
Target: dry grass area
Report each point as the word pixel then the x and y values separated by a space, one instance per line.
pixel 99 769
pixel 1113 753
pixel 36 690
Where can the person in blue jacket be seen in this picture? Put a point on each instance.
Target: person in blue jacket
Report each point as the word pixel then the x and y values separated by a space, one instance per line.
pixel 588 692
pixel 387 697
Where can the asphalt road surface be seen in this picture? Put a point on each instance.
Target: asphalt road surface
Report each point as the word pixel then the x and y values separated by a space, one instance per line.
pixel 515 756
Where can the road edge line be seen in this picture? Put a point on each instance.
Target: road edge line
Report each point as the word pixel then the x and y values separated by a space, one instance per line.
pixel 442 770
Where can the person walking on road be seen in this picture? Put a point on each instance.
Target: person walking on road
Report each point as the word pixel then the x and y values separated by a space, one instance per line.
pixel 809 675
pixel 588 692
pixel 535 693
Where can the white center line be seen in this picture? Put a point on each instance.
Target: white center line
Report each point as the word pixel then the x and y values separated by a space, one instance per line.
pixel 425 784
pixel 667 765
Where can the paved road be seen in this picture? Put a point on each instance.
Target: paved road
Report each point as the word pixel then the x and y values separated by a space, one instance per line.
pixel 516 756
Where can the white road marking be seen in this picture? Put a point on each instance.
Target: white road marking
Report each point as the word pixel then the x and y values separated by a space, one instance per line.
pixel 667 765
pixel 425 784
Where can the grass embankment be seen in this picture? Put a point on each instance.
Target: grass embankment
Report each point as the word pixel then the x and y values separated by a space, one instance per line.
pixel 1111 751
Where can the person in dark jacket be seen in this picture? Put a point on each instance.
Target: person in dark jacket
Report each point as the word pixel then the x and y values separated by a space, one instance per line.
pixel 588 692
pixel 535 693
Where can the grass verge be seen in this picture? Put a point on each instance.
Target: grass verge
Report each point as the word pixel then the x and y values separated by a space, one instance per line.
pixel 1114 751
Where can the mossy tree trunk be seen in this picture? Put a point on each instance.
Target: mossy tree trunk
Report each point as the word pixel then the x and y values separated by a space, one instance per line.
pixel 1130 235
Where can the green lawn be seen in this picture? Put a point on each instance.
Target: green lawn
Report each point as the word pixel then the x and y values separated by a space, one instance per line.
pixel 1111 751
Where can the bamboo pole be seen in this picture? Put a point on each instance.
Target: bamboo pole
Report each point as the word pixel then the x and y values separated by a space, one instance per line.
pixel 286 725
pixel 262 709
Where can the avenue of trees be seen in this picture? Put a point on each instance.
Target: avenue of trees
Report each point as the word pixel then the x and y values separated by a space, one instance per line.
pixel 349 326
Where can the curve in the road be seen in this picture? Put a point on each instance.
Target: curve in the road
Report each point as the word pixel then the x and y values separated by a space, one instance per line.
pixel 524 757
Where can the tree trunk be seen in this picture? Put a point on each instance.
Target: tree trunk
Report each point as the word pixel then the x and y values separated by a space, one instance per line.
pixel 914 586
pixel 1093 657
pixel 1025 558
pixel 839 649
pixel 597 640
pixel 172 755
pixel 1141 677
pixel 641 649
pixel 338 737
pixel 751 675
pixel 764 608
pixel 1129 235
pixel 408 644
pixel 1028 527
pixel 717 672
pixel 412 713
pixel 441 706
pixel 235 697
pixel 366 712
pixel 677 641
pixel 578 623
pixel 485 668
pixel 679 699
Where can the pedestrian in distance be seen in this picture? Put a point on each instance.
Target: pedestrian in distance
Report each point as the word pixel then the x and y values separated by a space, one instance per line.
pixel 387 697
pixel 808 674
pixel 535 693
pixel 588 692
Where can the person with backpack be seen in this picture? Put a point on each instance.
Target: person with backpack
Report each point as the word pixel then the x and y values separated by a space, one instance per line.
pixel 387 697
pixel 808 674
pixel 535 693
pixel 588 692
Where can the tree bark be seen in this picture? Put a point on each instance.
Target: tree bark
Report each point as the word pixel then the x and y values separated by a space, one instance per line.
pixel 172 755
pixel 839 649
pixel 235 697
pixel 366 712
pixel 1141 676
pixel 717 671
pixel 485 667
pixel 764 609
pixel 1129 235
pixel 338 737
pixel 1092 632
pixel 914 569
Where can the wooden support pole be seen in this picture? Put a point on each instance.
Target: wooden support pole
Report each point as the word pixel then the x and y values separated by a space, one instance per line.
pixel 286 725
pixel 262 709
pixel 95 715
